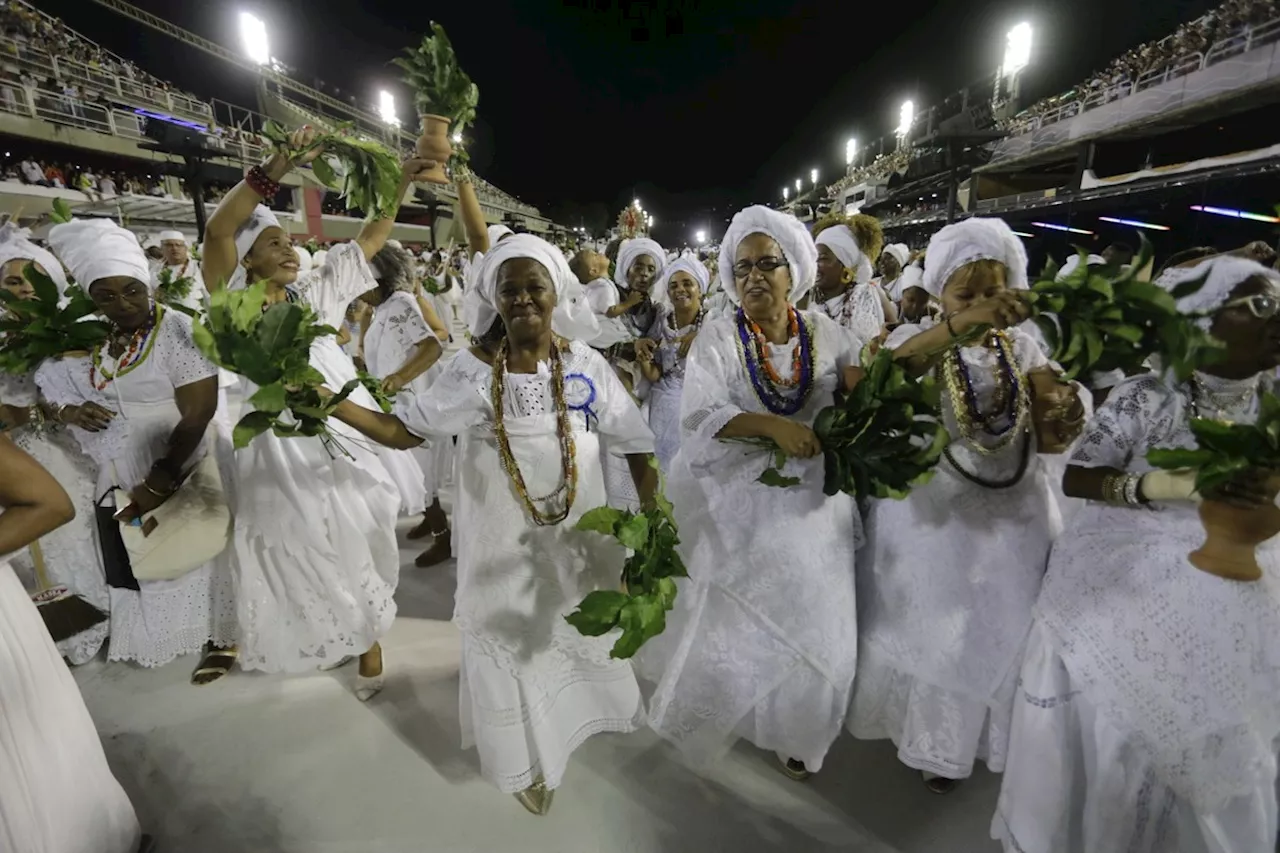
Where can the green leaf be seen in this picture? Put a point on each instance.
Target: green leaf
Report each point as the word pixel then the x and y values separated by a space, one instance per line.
pixel 250 427
pixel 602 519
pixel 773 477
pixel 277 328
pixel 269 398
pixel 634 532
pixel 598 612
pixel 324 172
pixel 642 618
pixel 61 212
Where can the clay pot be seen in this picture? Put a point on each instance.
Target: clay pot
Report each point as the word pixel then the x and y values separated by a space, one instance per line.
pixel 1050 395
pixel 433 144
pixel 1232 534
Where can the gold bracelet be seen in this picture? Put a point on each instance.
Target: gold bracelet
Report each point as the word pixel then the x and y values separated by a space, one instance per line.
pixel 148 487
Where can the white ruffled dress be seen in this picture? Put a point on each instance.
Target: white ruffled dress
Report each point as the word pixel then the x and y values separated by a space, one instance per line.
pixel 164 619
pixel 70 553
pixel 533 688
pixel 57 794
pixel 945 590
pixel 763 641
pixel 665 394
pixel 394 333
pixel 1148 710
pixel 317 561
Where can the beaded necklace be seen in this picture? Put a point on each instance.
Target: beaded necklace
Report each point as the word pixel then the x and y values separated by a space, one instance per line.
pixel 568 460
pixel 1006 419
pixel 141 342
pixel 844 313
pixel 753 348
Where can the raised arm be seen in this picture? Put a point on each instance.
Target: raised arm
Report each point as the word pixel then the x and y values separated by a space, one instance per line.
pixel 469 209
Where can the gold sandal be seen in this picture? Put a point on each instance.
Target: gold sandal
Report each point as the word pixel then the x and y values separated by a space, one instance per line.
pixel 201 677
pixel 536 798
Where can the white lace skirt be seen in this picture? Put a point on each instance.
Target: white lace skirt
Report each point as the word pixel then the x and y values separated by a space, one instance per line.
pixel 71 555
pixel 1074 783
pixel 664 420
pixel 935 729
pixel 57 794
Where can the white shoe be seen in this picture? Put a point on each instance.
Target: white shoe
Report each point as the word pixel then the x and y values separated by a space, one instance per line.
pixel 367 688
pixel 330 667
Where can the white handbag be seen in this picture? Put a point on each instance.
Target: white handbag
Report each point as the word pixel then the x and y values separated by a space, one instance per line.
pixel 191 527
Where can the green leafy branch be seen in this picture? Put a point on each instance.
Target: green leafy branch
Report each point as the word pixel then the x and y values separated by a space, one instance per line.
pixel 439 84
pixel 32 330
pixel 1102 319
pixel 365 173
pixel 374 387
pixel 271 347
pixel 880 441
pixel 61 213
pixel 648 576
pixel 1226 450
pixel 173 289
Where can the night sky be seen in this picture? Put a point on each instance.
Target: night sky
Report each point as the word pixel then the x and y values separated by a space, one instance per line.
pixel 692 105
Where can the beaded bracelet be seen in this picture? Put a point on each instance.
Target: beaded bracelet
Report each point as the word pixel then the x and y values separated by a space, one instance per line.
pixel 1121 489
pixel 260 182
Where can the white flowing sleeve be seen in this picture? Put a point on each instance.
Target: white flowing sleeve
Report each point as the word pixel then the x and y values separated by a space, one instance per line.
pixel 601 296
pixel 344 275
pixel 406 327
pixel 181 358
pixel 706 405
pixel 902 334
pixel 1119 430
pixel 619 421
pixel 457 400
pixel 53 377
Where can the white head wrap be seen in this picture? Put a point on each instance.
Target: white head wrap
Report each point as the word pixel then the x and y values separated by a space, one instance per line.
pixel 686 263
pixel 94 249
pixel 912 276
pixel 840 240
pixel 572 317
pixel 318 259
pixel 974 240
pixel 797 247
pixel 632 249
pixel 1073 264
pixel 1221 274
pixel 171 235
pixel 14 246
pixel 248 233
pixel 304 260
pixel 496 233
pixel 900 252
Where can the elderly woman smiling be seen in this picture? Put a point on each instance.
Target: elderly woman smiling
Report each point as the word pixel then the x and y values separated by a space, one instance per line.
pixel 532 418
pixel 762 645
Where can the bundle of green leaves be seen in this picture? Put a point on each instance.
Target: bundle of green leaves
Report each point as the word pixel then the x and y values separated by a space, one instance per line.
pixel 271 347
pixel 173 289
pixel 32 330
pixel 366 173
pixel 879 441
pixel 1226 450
pixel 374 387
pixel 439 84
pixel 648 576
pixel 1102 319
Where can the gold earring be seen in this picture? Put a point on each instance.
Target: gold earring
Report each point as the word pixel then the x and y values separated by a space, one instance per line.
pixel 846 276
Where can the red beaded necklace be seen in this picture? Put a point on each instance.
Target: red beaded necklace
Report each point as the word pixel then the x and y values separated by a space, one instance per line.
pixel 762 350
pixel 140 343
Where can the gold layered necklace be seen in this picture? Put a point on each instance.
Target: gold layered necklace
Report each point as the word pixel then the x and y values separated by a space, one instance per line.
pixel 568 485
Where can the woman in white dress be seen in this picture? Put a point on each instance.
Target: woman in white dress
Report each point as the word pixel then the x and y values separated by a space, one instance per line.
pixel 401 347
pixel 847 248
pixel 762 643
pixel 1148 711
pixel 140 406
pixel 532 419
pixel 57 794
pixel 68 556
pixel 679 292
pixel 315 544
pixel 949 575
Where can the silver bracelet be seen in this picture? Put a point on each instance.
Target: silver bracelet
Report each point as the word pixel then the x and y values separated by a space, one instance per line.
pixel 1131 483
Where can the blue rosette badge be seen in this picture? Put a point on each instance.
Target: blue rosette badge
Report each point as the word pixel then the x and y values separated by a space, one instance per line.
pixel 580 396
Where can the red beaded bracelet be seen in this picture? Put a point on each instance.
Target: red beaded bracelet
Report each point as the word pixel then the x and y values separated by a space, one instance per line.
pixel 261 183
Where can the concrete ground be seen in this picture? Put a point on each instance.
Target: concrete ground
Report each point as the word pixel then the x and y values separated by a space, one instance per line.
pixel 274 764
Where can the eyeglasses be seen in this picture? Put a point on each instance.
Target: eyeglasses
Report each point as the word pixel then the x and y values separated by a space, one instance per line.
pixel 767 264
pixel 1264 306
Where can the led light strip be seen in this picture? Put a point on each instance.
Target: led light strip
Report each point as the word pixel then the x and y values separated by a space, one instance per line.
pixel 1054 227
pixel 1150 226
pixel 1235 214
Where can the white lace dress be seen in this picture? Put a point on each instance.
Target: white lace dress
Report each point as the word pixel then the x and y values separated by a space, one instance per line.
pixel 1148 713
pixel 57 794
pixel 70 553
pixel 858 309
pixel 762 643
pixel 164 619
pixel 394 333
pixel 315 541
pixel 532 688
pixel 945 590
pixel 664 395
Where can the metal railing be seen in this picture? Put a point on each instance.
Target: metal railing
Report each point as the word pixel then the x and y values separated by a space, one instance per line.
pixel 1242 42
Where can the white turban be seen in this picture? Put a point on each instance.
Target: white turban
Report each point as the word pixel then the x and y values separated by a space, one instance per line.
pixel 496 233
pixel 688 264
pixel 839 239
pixel 15 246
pixel 94 249
pixel 974 240
pixel 1073 264
pixel 632 249
pixel 797 247
pixel 304 260
pixel 172 235
pixel 248 233
pixel 900 252
pixel 572 317
pixel 912 276
pixel 1222 274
